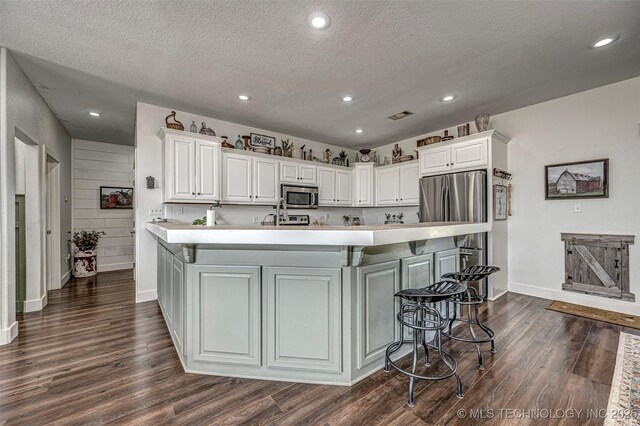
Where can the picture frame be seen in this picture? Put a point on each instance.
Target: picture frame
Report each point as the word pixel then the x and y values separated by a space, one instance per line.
pixel 116 198
pixel 577 180
pixel 500 202
pixel 261 141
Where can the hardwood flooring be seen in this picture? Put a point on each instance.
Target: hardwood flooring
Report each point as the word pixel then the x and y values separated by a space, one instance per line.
pixel 93 356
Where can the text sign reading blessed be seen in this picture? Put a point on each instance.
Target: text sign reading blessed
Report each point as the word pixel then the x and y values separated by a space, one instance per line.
pixel 262 141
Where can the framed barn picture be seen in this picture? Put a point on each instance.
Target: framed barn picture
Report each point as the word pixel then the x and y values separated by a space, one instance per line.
pixel 581 179
pixel 116 198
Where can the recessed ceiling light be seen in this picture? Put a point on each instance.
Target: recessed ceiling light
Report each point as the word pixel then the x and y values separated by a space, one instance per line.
pixel 347 98
pixel 359 131
pixel 604 42
pixel 95 114
pixel 319 20
pixel 448 98
pixel 243 97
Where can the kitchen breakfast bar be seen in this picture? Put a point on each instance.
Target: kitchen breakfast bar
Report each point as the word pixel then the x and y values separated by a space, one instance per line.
pixel 312 304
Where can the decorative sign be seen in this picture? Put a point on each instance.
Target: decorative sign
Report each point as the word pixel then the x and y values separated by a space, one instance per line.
pixel 262 141
pixel 500 201
pixel 501 174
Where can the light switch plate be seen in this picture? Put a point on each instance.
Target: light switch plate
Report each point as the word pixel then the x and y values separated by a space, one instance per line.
pixel 577 208
pixel 179 210
pixel 155 211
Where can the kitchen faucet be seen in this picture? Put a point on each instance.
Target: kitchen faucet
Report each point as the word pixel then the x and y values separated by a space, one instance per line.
pixel 284 207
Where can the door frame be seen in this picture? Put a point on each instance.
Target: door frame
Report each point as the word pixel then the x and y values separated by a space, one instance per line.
pixel 52 249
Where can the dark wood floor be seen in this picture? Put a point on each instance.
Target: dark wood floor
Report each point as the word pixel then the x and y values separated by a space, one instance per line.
pixel 93 356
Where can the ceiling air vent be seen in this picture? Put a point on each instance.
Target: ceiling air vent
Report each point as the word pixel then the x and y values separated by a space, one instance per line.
pixel 400 115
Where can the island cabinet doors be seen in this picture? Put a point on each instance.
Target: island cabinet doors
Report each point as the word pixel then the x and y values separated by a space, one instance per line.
pixel 303 317
pixel 171 294
pixel 227 314
pixel 377 310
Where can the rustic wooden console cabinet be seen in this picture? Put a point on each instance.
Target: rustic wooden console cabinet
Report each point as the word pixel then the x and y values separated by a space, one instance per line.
pixel 598 265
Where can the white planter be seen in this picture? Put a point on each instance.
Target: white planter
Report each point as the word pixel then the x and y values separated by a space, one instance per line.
pixel 85 264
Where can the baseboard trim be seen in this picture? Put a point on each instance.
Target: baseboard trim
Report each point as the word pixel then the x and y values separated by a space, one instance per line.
pixel 621 306
pixel 65 278
pixel 34 305
pixel 115 266
pixel 8 334
pixel 146 296
pixel 494 298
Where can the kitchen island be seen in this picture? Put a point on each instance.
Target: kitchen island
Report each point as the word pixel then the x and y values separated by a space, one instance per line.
pixel 305 304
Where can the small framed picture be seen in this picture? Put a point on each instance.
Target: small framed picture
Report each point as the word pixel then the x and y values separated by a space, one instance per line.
pixel 116 198
pixel 262 141
pixel 581 179
pixel 500 203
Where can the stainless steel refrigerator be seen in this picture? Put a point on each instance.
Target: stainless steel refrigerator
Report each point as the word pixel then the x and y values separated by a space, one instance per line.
pixel 458 197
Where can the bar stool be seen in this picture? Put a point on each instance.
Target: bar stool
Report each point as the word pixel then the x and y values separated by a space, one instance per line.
pixel 416 315
pixel 471 299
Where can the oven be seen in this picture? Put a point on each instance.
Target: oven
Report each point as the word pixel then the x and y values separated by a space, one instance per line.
pixel 300 197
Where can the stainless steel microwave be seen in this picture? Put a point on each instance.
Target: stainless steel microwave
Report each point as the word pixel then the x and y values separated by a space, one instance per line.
pixel 299 197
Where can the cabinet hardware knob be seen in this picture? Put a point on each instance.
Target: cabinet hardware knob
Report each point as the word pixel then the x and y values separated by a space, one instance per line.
pixel 198 193
pixel 193 193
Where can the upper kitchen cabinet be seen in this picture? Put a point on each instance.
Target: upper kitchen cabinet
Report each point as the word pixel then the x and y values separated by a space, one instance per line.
pixel 460 154
pixel 334 187
pixel 363 185
pixel 397 185
pixel 191 167
pixel 303 174
pixel 249 179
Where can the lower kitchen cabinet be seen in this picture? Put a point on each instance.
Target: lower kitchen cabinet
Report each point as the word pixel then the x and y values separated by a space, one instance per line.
pixel 227 318
pixel 377 310
pixel 446 261
pixel 178 305
pixel 304 311
pixel 417 272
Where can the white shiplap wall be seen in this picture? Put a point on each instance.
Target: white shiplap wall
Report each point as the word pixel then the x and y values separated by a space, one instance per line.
pixel 98 164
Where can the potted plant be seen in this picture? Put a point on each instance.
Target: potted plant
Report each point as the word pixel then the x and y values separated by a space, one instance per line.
pixel 84 260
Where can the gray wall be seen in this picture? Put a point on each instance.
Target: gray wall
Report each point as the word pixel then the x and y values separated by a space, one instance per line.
pixel 24 113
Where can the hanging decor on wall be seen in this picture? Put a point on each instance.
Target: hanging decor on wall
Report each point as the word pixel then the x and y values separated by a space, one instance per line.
pixel 116 198
pixel 500 201
pixel 580 179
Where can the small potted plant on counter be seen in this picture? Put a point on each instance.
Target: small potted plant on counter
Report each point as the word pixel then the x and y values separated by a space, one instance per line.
pixel 84 260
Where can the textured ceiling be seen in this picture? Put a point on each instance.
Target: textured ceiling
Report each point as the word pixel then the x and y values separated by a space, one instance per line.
pixel 390 55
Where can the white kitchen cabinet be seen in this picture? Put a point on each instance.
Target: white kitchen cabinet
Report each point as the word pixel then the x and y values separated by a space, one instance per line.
pixel 303 174
pixel 191 167
pixel 397 185
pixel 249 180
pixel 334 187
pixel 363 185
pixel 454 156
pixel 409 185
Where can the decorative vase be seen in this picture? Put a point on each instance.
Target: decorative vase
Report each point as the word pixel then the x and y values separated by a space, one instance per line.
pixel 194 127
pixel 482 122
pixel 85 264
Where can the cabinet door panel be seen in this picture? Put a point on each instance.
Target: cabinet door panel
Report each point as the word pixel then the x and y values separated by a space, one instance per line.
pixel 387 187
pixel 266 181
pixel 228 315
pixel 289 172
pixel 207 171
pixel 344 188
pixel 307 174
pixel 434 160
pixel 326 187
pixel 237 185
pixel 446 261
pixel 469 154
pixel 304 318
pixel 364 186
pixel 409 185
pixel 377 310
pixel 168 289
pixel 178 304
pixel 182 169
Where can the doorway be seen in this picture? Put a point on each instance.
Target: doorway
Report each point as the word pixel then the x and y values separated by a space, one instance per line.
pixel 53 276
pixel 21 254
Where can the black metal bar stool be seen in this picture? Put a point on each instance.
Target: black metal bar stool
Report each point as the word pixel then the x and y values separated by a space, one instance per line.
pixel 471 299
pixel 416 315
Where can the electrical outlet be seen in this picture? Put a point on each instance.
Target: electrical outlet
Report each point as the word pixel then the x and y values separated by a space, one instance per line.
pixel 255 220
pixel 179 210
pixel 577 208
pixel 156 211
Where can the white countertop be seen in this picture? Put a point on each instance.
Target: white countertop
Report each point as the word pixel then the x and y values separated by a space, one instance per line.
pixel 369 235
